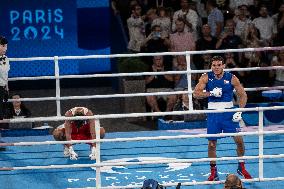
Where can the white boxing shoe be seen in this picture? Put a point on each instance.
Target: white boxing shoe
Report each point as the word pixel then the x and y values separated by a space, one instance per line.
pixel 93 153
pixel 66 152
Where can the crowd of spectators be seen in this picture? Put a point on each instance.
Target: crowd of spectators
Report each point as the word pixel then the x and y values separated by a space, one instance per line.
pixel 187 25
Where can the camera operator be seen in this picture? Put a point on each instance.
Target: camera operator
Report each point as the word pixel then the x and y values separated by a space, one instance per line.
pixel 233 182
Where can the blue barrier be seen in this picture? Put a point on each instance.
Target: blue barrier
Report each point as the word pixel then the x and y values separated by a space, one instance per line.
pixel 176 125
pixel 24 132
pixel 250 118
pixel 274 116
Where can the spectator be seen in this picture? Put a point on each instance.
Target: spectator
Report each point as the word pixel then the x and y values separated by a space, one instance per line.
pixel 200 9
pixel 265 25
pixel 193 6
pixel 228 40
pixel 215 18
pixel 157 41
pixel 233 182
pixel 279 24
pixel 230 60
pixel 150 16
pixel 183 105
pixel 181 40
pixel 277 75
pixel 189 16
pixel 234 4
pixel 181 79
pixel 182 84
pixel 163 21
pixel 251 36
pixel 159 83
pixel 241 21
pixel 253 10
pixel 18 108
pixel 206 61
pixel 206 42
pixel 251 40
pixel 136 27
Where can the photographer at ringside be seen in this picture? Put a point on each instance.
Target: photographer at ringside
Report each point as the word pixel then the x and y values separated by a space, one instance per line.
pixel 233 182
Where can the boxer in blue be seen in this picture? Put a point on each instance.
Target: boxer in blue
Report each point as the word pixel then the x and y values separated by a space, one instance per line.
pixel 218 87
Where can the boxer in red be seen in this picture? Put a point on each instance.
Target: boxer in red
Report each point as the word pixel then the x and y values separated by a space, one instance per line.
pixel 77 130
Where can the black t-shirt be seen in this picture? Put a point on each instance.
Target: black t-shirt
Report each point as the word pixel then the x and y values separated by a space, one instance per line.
pixel 203 44
pixel 231 42
pixel 160 82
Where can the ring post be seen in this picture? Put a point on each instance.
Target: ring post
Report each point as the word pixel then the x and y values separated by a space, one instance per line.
pixel 189 87
pixel 260 145
pixel 56 70
pixel 98 155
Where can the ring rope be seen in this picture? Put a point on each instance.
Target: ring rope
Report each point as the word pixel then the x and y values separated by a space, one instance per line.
pixel 101 164
pixel 149 54
pixel 128 115
pixel 127 95
pixel 141 73
pixel 145 138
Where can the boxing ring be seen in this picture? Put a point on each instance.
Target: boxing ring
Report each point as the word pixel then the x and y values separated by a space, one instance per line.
pixel 125 160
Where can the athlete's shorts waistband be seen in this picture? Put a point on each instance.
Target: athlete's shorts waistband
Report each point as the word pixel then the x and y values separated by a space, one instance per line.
pixel 220 105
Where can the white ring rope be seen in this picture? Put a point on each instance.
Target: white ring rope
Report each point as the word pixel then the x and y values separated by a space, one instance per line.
pixel 127 95
pixel 142 73
pixel 127 115
pixel 99 164
pixel 160 161
pixel 144 138
pixel 150 54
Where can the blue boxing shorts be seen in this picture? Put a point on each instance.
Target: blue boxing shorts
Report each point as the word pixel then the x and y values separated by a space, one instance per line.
pixel 221 123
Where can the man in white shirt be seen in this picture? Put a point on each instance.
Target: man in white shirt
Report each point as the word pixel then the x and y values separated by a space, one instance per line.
pixel 241 20
pixel 234 4
pixel 265 25
pixel 190 17
pixel 136 27
pixel 4 69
